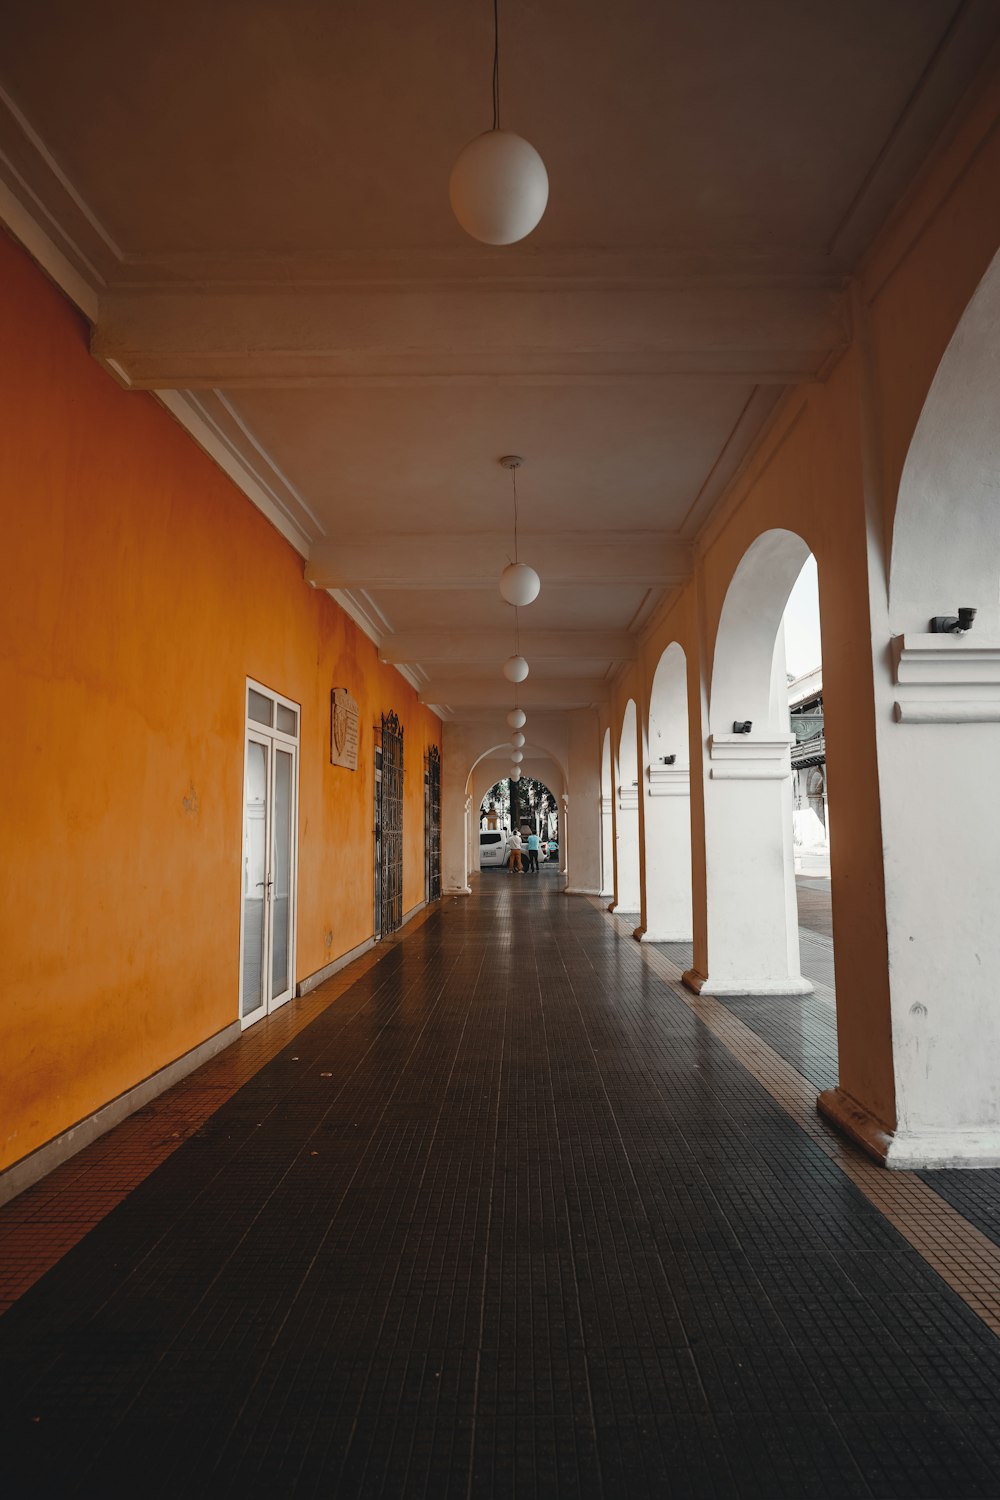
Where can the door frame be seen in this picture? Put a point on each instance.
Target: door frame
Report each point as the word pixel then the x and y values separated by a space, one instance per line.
pixel 272 737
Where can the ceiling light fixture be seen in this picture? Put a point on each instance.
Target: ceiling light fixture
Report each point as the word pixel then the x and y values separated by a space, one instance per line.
pixel 515 668
pixel 499 186
pixel 517 718
pixel 517 740
pixel 517 756
pixel 515 775
pixel 519 584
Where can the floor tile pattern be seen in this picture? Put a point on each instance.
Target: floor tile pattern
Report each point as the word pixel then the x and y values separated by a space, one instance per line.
pixel 41 1224
pixel 513 1216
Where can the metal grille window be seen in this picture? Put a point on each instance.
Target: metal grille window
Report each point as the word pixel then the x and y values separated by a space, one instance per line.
pixel 389 826
pixel 432 824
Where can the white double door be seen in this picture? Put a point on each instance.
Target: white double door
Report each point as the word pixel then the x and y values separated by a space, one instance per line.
pixel 267 970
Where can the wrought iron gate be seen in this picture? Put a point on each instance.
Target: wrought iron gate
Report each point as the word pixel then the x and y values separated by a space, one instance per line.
pixel 432 825
pixel 388 826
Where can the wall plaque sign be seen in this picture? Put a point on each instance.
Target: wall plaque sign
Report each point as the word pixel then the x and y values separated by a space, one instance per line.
pixel 343 729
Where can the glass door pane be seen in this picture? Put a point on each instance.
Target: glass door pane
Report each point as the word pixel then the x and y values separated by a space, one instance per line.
pixel 281 873
pixel 252 996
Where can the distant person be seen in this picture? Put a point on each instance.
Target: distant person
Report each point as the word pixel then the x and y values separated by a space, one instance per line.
pixel 514 847
pixel 534 843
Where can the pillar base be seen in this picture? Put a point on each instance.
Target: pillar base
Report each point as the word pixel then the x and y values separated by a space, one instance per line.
pixel 616 909
pixel 703 984
pixel 643 935
pixel 908 1150
pixel 581 890
pixel 457 890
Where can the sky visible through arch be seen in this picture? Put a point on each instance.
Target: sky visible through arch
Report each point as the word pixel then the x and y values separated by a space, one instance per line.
pixel 802 643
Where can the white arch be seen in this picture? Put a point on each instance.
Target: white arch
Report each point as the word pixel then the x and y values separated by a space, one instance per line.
pixel 744 670
pixel 946 533
pixel 529 748
pixel 667 790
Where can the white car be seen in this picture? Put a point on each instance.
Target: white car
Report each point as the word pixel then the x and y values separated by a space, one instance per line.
pixel 492 849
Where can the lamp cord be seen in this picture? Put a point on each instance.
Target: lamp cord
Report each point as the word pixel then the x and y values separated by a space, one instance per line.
pixel 496 65
pixel 513 475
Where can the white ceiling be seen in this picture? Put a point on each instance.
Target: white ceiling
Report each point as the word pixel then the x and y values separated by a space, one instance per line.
pixel 257 192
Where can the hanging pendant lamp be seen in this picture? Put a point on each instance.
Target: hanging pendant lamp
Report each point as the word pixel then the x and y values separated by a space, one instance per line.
pixel 499 186
pixel 517 718
pixel 515 775
pixel 517 740
pixel 519 584
pixel 515 668
pixel 517 756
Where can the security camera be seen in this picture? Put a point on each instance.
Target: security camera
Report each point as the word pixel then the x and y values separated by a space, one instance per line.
pixel 954 624
pixel 742 726
pixel 668 760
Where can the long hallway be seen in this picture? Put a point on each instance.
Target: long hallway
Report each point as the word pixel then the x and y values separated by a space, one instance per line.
pixel 514 1215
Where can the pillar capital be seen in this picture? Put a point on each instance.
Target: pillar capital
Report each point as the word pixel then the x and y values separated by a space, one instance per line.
pixel 669 781
pixel 750 757
pixel 946 679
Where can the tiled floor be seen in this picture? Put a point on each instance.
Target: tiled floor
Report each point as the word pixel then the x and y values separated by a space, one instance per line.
pixel 514 1216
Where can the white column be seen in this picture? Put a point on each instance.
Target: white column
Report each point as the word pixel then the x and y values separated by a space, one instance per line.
pixel 668 855
pixel 938 747
pixel 583 865
pixel 629 895
pixel 607 847
pixel 454 835
pixel 753 935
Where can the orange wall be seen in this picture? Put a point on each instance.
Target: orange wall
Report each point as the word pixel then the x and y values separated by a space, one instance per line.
pixel 139 589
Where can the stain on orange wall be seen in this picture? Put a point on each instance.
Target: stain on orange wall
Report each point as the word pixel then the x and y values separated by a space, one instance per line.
pixel 140 589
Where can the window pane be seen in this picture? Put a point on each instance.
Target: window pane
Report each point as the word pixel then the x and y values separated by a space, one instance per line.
pixel 259 708
pixel 254 875
pixel 288 720
pixel 281 873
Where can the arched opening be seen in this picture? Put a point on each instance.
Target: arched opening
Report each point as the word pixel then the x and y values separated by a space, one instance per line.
pixel 607 821
pixel 529 807
pixel 627 887
pixel 939 739
pixel 668 804
pixel 752 936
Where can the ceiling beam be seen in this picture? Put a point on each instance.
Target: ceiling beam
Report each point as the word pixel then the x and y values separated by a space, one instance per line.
pixel 420 561
pixel 761 332
pixel 489 647
pixel 491 690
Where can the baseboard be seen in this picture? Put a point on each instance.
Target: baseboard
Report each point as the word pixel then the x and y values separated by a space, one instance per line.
pixel 661 937
pixel 580 890
pixel 909 1150
pixel 40 1162
pixel 703 984
pixel 313 981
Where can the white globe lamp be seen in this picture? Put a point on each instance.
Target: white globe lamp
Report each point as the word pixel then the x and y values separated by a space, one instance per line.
pixel 515 669
pixel 517 740
pixel 515 775
pixel 517 756
pixel 517 718
pixel 519 584
pixel 499 187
